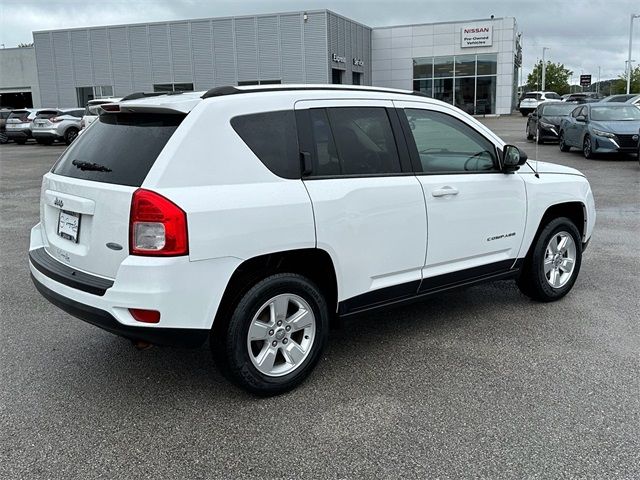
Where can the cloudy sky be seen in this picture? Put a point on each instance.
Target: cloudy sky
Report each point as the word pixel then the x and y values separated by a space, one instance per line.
pixel 582 34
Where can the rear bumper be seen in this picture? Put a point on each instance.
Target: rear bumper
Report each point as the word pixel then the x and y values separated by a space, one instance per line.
pixel 46 134
pixel 177 337
pixel 186 293
pixel 18 133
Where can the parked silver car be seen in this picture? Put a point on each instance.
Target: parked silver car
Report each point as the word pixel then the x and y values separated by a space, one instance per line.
pixel 57 124
pixel 18 126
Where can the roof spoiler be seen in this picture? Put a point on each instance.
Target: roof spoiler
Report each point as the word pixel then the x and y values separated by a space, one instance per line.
pixel 137 95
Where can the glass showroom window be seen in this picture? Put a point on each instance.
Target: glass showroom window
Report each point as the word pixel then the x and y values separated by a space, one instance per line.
pixel 466 81
pixel 84 94
pixel 173 87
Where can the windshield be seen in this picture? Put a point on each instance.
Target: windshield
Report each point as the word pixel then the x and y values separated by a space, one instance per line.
pixel 557 110
pixel 123 145
pixel 615 113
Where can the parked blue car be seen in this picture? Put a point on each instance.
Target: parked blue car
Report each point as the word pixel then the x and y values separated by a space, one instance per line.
pixel 601 128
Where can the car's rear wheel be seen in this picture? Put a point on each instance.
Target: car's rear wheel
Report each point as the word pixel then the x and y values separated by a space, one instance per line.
pixel 562 144
pixel 70 135
pixel 20 141
pixel 552 267
pixel 3 138
pixel 587 147
pixel 275 335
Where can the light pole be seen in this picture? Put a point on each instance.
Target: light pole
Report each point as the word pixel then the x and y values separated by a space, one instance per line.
pixel 598 84
pixel 633 15
pixel 544 67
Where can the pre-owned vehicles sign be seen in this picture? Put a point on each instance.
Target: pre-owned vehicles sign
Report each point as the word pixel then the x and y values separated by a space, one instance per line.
pixel 476 36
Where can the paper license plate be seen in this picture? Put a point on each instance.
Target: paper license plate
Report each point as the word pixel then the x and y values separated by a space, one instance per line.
pixel 69 225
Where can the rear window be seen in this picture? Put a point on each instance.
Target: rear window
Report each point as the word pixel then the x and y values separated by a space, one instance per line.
pixel 536 96
pixel 47 113
pixel 552 95
pixel 19 114
pixel 118 148
pixel 272 137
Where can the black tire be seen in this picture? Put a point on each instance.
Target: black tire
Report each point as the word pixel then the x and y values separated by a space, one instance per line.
pixel 587 147
pixel 532 280
pixel 529 135
pixel 70 135
pixel 229 344
pixel 563 146
pixel 3 138
pixel 537 137
pixel 20 141
pixel 524 113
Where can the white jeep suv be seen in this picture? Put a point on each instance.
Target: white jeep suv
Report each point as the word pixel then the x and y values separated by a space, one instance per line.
pixel 252 217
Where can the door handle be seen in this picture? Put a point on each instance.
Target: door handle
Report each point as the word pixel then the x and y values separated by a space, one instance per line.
pixel 444 191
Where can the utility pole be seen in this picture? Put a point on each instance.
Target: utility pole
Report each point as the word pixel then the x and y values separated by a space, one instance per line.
pixel 544 67
pixel 598 84
pixel 633 15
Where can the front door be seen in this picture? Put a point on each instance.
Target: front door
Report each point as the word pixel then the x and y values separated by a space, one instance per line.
pixel 475 213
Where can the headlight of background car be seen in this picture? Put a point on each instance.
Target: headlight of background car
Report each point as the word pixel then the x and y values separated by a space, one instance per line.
pixel 600 133
pixel 547 125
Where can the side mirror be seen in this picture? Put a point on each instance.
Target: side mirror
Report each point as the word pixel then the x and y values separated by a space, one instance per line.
pixel 581 118
pixel 512 158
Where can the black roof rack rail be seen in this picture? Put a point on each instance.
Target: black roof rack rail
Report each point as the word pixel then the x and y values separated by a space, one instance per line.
pixel 231 90
pixel 137 95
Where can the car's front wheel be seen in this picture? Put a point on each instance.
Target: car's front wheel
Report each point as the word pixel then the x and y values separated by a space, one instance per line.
pixel 552 266
pixel 275 335
pixel 529 134
pixel 587 147
pixel 563 145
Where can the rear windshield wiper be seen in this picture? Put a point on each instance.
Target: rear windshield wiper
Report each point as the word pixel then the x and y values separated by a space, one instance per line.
pixel 82 165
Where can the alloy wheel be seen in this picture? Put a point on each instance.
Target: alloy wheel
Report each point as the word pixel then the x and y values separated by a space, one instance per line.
pixel 559 259
pixel 281 335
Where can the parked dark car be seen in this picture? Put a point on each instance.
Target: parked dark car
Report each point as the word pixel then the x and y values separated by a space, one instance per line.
pixel 621 98
pixel 601 128
pixel 582 97
pixel 544 122
pixel 4 114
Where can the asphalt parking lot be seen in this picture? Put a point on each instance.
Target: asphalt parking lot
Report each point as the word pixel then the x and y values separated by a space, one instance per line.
pixel 478 383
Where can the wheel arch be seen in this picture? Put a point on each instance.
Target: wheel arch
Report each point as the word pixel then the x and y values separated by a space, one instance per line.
pixel 314 263
pixel 576 211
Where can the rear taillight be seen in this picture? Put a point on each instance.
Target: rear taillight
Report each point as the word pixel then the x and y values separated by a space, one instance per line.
pixel 157 226
pixel 55 119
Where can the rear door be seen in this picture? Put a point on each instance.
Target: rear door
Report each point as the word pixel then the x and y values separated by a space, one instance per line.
pixel 368 206
pixel 87 195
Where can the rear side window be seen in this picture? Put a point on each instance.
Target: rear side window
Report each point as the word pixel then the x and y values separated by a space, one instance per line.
pixel 272 137
pixel 21 114
pixel 118 148
pixel 353 141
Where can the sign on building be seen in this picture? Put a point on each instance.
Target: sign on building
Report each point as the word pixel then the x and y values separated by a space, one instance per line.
pixel 585 80
pixel 476 36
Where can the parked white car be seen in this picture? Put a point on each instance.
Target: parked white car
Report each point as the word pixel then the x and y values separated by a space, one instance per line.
pixel 530 101
pixel 93 110
pixel 254 216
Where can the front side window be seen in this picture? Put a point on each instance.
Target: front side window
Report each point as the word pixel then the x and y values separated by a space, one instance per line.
pixel 448 145
pixel 353 141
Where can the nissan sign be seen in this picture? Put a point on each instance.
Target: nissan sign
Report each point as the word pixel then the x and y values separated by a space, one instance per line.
pixel 476 36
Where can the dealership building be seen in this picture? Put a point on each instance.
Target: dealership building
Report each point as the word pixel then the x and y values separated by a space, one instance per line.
pixel 471 64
